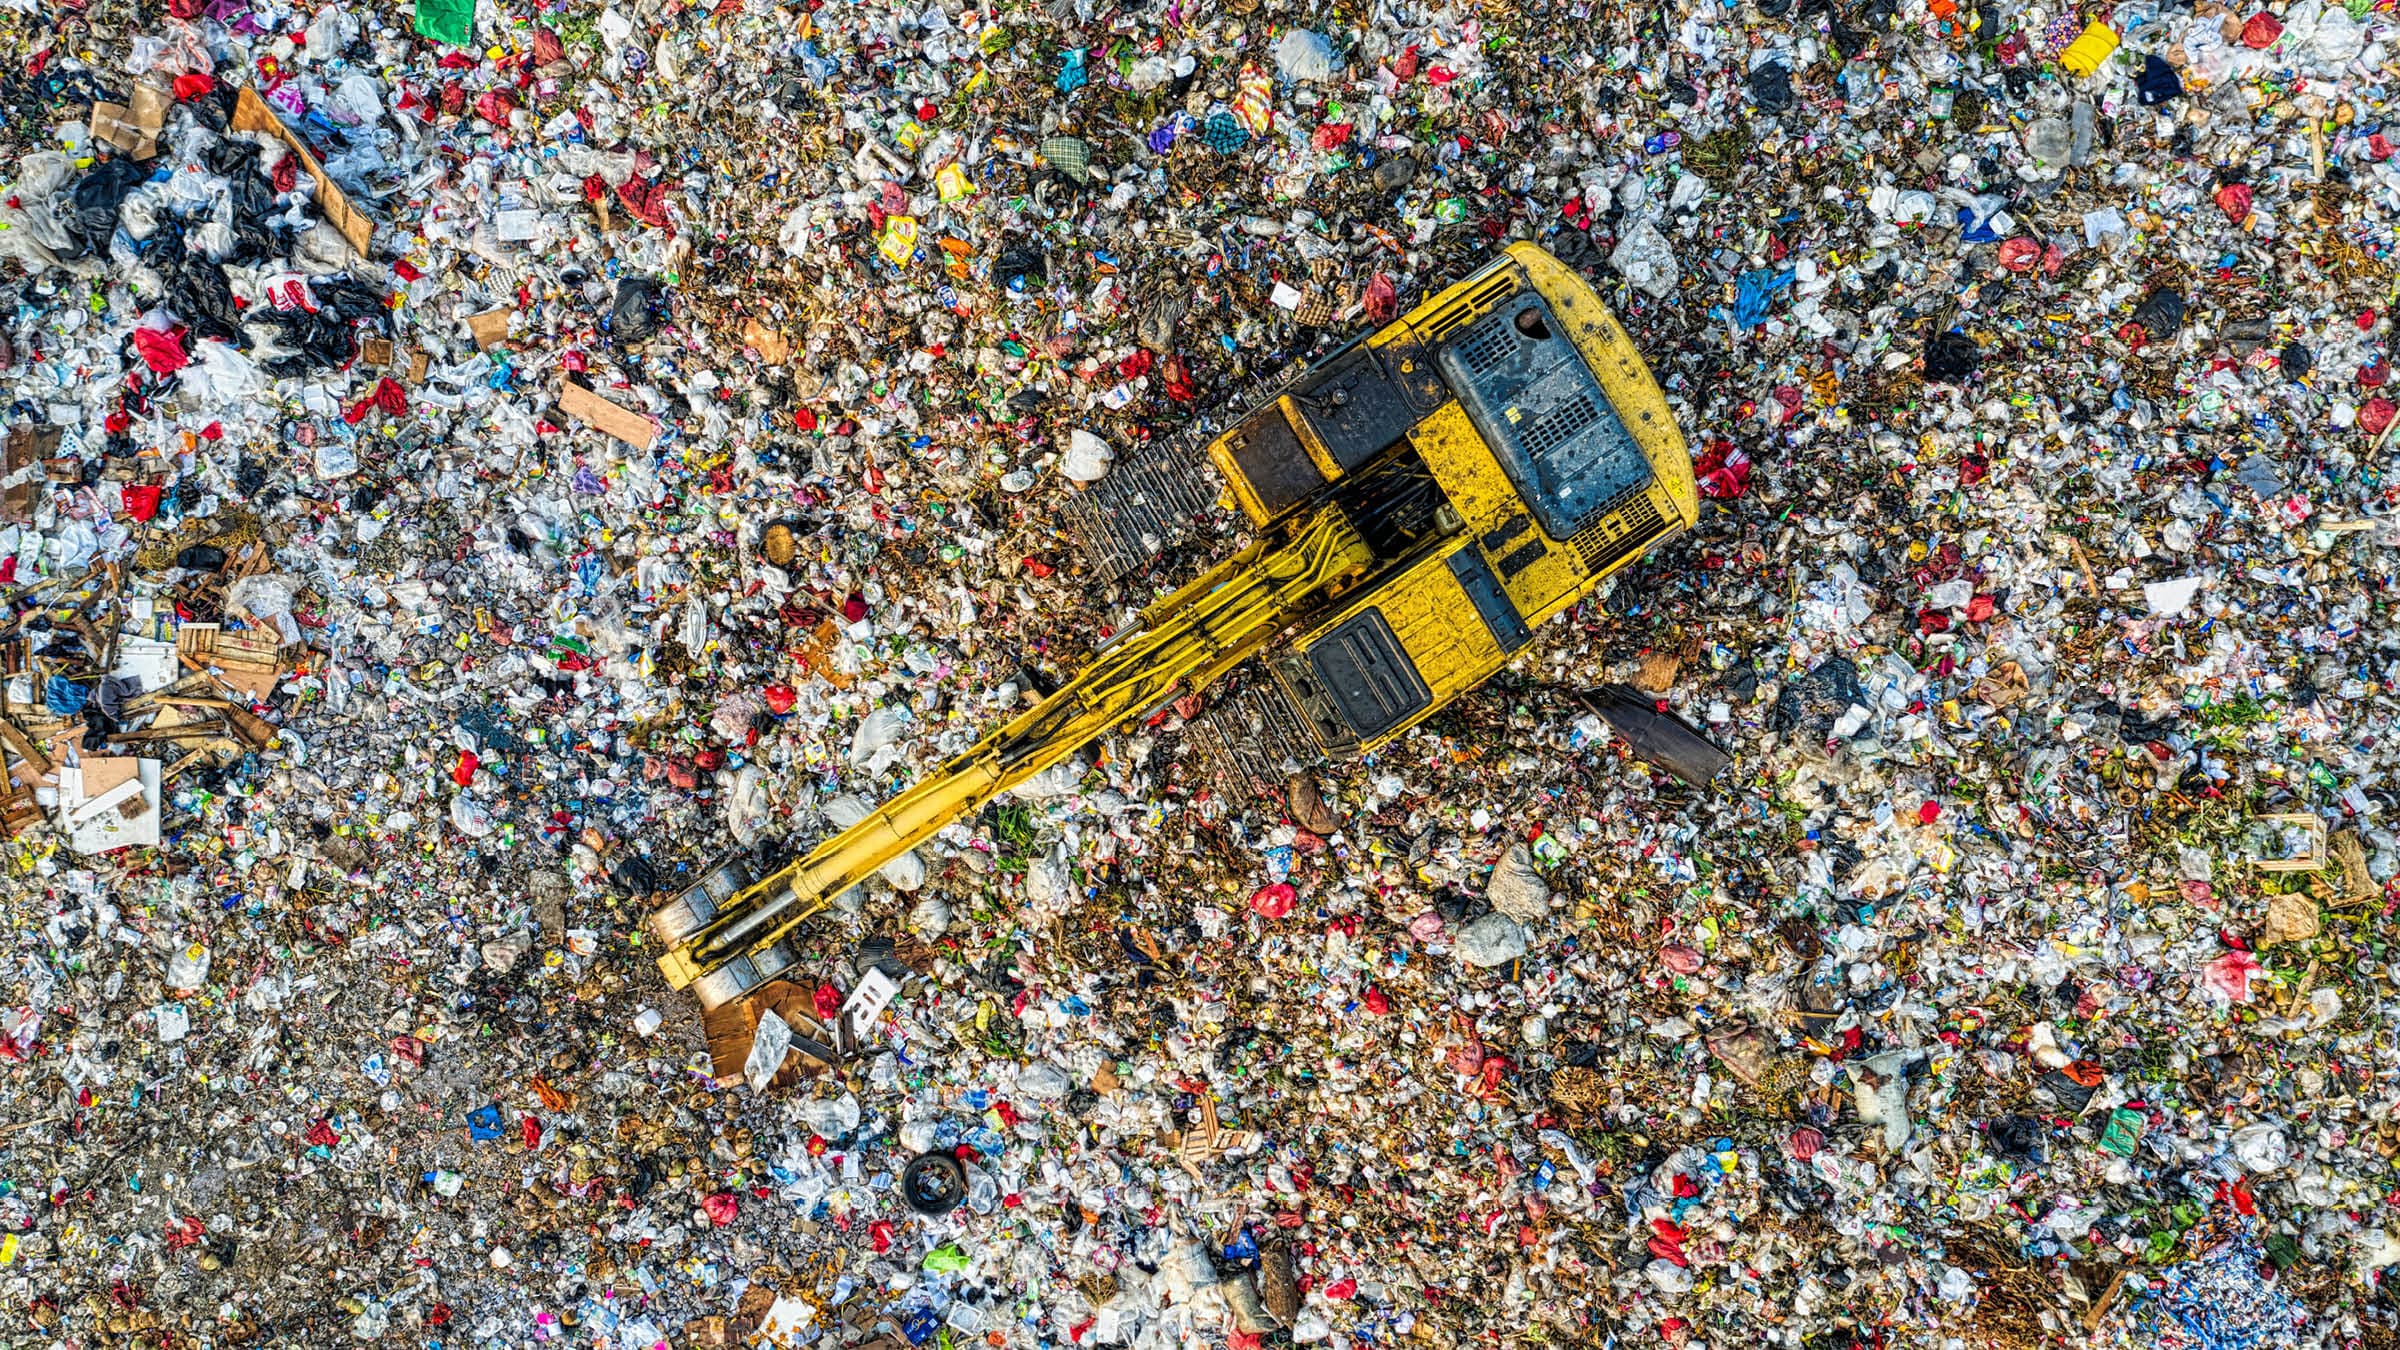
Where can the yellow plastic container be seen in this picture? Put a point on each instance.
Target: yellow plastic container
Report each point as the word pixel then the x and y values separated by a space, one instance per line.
pixel 2085 53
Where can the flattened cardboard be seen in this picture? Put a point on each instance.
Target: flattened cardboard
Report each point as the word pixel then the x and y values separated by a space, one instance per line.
pixel 251 113
pixel 133 126
pixel 26 448
pixel 623 423
pixel 489 328
pixel 772 348
pixel 103 774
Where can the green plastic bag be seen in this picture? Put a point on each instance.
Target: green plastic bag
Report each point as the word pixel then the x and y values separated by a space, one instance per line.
pixel 447 21
pixel 2124 1131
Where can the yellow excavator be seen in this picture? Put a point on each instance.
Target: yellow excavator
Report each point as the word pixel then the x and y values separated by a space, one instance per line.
pixel 1418 501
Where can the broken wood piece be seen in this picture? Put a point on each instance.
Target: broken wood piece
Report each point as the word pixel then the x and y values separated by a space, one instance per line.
pixel 2100 1305
pixel 252 728
pixel 25 748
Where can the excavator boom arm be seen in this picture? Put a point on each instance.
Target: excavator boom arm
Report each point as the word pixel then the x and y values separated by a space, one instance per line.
pixel 1182 644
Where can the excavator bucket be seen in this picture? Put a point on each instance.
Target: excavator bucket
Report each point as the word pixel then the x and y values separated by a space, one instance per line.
pixel 731 1027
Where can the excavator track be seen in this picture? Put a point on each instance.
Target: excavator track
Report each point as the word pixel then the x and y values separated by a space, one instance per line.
pixel 1155 500
pixel 1250 737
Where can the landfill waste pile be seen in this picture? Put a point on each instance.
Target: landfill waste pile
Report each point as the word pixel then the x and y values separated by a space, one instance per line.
pixel 472 468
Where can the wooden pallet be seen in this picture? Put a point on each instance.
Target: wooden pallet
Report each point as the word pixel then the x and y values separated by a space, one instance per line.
pixel 248 660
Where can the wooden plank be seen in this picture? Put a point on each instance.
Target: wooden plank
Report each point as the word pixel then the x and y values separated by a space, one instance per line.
pixel 257 732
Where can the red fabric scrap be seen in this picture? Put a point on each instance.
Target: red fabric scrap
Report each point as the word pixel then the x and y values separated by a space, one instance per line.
pixel 647 201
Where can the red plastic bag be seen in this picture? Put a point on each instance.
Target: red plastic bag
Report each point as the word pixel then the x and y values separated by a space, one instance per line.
pixel 1276 901
pixel 2234 200
pixel 1380 299
pixel 1178 381
pixel 139 500
pixel 1723 470
pixel 387 395
pixel 647 201
pixel 162 352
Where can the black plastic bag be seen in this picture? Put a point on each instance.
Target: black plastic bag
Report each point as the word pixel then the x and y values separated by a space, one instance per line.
pixel 2063 1089
pixel 1952 358
pixel 1023 265
pixel 197 289
pixel 1817 699
pixel 1771 86
pixel 2160 314
pixel 2158 81
pixel 327 338
pixel 347 298
pixel 201 558
pixel 634 875
pixel 641 303
pixel 258 232
pixel 96 199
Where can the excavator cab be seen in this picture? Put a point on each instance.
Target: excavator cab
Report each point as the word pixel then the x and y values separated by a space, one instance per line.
pixel 1502 449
